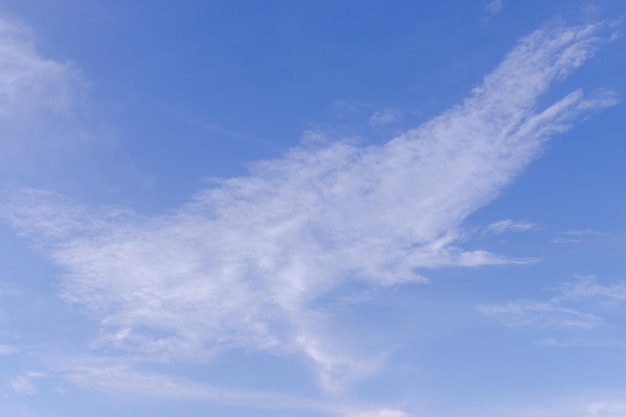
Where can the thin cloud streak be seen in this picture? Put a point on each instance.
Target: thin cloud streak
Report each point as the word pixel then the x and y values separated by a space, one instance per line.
pixel 579 304
pixel 574 236
pixel 120 379
pixel 504 226
pixel 244 264
pixel 541 315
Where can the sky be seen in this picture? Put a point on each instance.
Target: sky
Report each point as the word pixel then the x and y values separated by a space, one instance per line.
pixel 316 208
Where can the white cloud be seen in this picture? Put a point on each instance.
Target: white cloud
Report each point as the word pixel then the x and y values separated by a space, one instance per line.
pixel 494 7
pixel 508 225
pixel 122 379
pixel 587 287
pixel 22 385
pixel 585 405
pixel 245 263
pixel 574 236
pixel 541 315
pixel 577 304
pixel 25 383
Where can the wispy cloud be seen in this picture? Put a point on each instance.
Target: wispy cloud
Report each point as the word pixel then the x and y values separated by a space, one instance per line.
pixel 40 104
pixel 586 287
pixel 508 225
pixel 119 378
pixel 382 117
pixel 122 379
pixel 494 7
pixel 606 409
pixel 574 236
pixel 579 304
pixel 540 315
pixel 25 383
pixel 246 262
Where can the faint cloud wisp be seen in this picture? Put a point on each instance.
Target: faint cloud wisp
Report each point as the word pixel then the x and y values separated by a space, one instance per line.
pixel 581 304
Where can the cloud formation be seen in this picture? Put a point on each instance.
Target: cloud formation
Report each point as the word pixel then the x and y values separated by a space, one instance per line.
pixel 579 304
pixel 574 236
pixel 508 225
pixel 121 378
pixel 40 104
pixel 248 262
pixel 494 7
pixel 541 315
pixel 24 384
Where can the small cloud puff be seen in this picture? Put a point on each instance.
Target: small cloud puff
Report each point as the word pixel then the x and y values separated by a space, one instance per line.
pixel 494 7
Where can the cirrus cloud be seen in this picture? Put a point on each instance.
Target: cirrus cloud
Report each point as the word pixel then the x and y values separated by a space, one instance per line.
pixel 245 263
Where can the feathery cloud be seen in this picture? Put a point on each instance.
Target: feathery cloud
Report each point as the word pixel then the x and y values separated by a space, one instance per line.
pixel 577 304
pixel 574 236
pixel 540 315
pixel 119 377
pixel 245 263
pixel 25 383
pixel 508 225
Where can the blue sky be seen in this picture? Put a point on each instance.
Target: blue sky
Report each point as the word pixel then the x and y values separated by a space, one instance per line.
pixel 312 208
